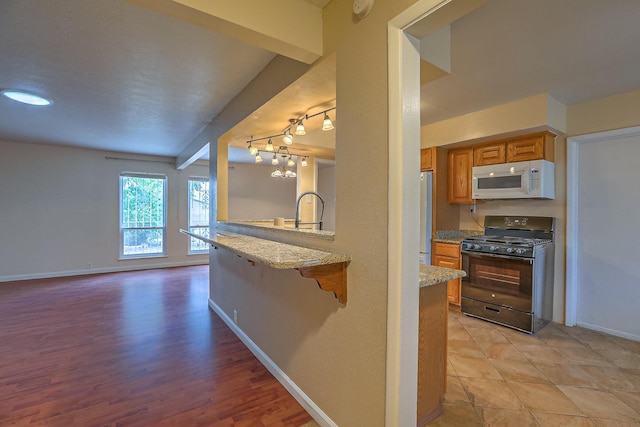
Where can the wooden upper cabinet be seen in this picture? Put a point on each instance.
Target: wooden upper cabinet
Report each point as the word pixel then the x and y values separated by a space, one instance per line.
pixel 460 175
pixel 426 159
pixel 489 154
pixel 531 147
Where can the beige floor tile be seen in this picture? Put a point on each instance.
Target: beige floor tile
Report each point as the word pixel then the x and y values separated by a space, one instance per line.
pixel 614 423
pixel 613 378
pixel 455 392
pixel 516 337
pixel 630 398
pixel 555 420
pixel 459 334
pixel 495 417
pixel 598 341
pixel 583 356
pixel 472 322
pixel 505 351
pixel 473 367
pixel 491 393
pixel 600 404
pixel 450 369
pixel 568 375
pixel 622 358
pixel 545 398
pixel 457 416
pixel 542 354
pixel 521 371
pixel 634 374
pixel 628 345
pixel 487 335
pixel 465 348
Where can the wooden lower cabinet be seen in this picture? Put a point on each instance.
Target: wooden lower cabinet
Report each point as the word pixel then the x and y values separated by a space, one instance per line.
pixel 432 352
pixel 448 255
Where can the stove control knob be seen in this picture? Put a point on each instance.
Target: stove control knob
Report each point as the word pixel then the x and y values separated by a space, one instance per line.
pixel 493 248
pixel 520 251
pixel 509 250
pixel 477 247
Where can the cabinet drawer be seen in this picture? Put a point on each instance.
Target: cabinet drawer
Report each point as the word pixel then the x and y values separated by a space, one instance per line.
pixel 447 250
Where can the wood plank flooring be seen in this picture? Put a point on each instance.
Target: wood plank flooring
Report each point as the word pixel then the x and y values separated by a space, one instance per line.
pixel 129 349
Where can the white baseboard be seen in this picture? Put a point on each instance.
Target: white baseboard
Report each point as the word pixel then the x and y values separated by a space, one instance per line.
pixel 118 269
pixel 613 332
pixel 314 410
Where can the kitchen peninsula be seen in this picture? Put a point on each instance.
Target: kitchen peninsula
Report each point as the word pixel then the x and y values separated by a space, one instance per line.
pixel 329 271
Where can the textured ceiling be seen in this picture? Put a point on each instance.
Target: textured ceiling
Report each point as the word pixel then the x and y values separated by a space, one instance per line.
pixel 129 79
pixel 575 50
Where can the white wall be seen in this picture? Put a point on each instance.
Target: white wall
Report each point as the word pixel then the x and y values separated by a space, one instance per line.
pixel 59 211
pixel 253 194
pixel 327 189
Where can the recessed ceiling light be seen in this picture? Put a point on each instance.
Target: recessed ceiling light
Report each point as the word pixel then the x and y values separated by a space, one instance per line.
pixel 25 97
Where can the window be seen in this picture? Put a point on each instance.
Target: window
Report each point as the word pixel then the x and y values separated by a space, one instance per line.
pixel 142 215
pixel 198 213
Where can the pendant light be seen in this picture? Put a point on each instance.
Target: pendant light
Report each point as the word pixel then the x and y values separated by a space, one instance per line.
pixel 304 161
pixel 253 150
pixel 258 158
pixel 274 161
pixel 269 146
pixel 300 130
pixel 327 124
pixel 288 138
pixel 290 162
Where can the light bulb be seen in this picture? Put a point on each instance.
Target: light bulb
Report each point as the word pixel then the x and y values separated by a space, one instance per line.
pixel 304 161
pixel 326 123
pixel 288 173
pixel 292 174
pixel 269 146
pixel 253 150
pixel 258 158
pixel 276 173
pixel 290 162
pixel 288 139
pixel 300 129
pixel 274 161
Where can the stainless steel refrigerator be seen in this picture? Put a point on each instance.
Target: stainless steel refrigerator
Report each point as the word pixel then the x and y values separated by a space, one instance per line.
pixel 426 195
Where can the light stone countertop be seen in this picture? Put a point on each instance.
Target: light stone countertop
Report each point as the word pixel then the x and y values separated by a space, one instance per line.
pixel 430 274
pixel 455 236
pixel 288 228
pixel 270 253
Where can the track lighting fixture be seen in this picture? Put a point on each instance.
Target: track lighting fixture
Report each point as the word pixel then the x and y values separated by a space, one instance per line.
pixel 304 161
pixel 274 161
pixel 290 162
pixel 269 146
pixel 258 158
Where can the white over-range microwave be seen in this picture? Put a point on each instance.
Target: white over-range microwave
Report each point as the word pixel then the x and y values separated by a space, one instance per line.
pixel 534 179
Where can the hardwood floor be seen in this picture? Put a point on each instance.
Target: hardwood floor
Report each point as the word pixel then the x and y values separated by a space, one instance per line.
pixel 129 349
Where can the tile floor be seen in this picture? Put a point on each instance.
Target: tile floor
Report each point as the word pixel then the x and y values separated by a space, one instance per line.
pixel 559 377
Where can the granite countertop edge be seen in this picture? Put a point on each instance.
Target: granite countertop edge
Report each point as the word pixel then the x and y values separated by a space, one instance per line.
pixel 431 275
pixel 455 236
pixel 271 253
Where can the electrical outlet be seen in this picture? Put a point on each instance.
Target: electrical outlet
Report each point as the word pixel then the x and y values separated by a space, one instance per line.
pixel 235 316
pixel 472 209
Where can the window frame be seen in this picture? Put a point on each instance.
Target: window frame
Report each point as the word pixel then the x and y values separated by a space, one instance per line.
pixel 191 251
pixel 121 227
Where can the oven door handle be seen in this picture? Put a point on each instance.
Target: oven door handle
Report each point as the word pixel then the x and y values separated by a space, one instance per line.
pixel 480 255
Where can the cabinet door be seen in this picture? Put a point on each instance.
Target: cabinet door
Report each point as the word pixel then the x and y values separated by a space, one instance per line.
pixel 489 154
pixel 453 286
pixel 460 175
pixel 525 149
pixel 426 159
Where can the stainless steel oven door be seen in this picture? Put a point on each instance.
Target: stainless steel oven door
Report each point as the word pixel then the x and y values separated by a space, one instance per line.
pixel 497 279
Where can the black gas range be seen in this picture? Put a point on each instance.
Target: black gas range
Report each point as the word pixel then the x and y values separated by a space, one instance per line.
pixel 510 272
